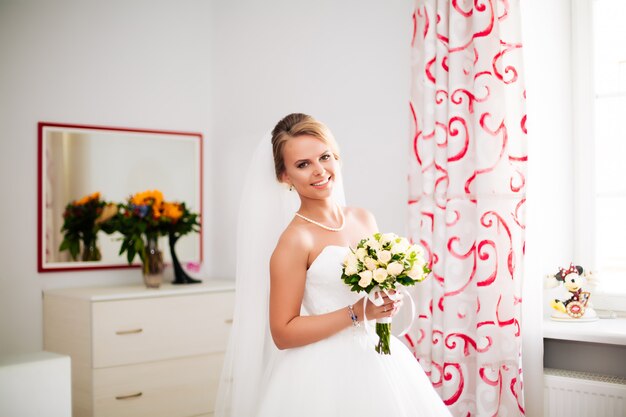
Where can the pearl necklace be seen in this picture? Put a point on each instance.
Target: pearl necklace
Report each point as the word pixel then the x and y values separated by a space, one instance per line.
pixel 330 229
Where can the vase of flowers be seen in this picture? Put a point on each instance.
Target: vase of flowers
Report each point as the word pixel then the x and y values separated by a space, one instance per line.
pixel 82 220
pixel 140 223
pixel 145 218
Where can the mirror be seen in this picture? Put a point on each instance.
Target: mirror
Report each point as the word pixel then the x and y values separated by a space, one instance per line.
pixel 77 160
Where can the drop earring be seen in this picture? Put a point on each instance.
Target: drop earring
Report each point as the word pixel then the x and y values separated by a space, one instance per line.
pixel 290 187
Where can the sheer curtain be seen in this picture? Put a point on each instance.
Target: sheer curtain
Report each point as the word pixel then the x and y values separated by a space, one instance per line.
pixel 467 183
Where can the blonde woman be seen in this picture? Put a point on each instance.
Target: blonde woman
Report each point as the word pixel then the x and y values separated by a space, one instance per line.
pixel 305 352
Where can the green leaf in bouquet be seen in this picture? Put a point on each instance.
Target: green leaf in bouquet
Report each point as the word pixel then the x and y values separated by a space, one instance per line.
pixel 405 280
pixel 138 247
pixel 130 255
pixel 74 248
pixel 124 247
pixel 64 245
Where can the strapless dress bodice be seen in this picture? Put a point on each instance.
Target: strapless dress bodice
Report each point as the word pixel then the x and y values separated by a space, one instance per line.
pixel 324 290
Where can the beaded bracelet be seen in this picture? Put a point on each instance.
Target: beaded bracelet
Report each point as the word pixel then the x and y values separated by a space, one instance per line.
pixel 355 319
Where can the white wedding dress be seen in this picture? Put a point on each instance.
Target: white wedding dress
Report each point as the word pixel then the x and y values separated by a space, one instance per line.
pixel 343 375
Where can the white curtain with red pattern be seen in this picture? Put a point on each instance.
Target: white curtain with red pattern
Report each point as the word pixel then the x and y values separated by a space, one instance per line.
pixel 467 183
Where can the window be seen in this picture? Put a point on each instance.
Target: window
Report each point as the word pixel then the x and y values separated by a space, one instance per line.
pixel 599 92
pixel 609 76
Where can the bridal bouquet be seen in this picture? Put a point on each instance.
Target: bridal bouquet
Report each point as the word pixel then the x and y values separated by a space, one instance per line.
pixel 381 263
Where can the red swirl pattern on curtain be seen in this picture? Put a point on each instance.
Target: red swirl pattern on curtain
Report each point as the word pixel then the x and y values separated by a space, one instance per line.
pixel 467 185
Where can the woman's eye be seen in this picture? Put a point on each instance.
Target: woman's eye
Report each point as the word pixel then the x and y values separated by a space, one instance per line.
pixel 302 165
pixel 325 157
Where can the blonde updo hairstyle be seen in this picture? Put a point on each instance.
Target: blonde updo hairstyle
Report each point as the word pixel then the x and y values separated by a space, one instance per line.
pixel 292 126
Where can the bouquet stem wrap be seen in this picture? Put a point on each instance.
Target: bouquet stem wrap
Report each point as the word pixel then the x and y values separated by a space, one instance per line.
pixel 383 325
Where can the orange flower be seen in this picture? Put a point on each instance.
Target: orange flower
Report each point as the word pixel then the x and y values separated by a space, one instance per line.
pixel 150 197
pixel 172 210
pixel 86 199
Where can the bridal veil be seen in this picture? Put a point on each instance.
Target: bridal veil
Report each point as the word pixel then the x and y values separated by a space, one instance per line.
pixel 266 208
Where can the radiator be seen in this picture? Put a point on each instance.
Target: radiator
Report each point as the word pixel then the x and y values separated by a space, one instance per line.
pixel 582 394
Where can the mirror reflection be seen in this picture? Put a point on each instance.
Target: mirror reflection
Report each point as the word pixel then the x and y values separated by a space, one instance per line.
pixel 79 161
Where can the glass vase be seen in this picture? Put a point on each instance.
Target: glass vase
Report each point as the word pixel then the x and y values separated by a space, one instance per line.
pixel 152 264
pixel 91 252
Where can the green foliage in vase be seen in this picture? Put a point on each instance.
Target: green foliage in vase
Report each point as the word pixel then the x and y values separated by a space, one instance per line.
pixel 146 216
pixel 82 219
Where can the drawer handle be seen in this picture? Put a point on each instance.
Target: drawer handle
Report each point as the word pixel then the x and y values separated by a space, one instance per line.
pixel 127 397
pixel 133 331
pixel 228 321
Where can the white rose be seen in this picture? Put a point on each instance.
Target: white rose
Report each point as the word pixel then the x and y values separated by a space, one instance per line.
pixel 416 273
pixel 384 256
pixel 400 247
pixel 350 259
pixel 417 249
pixel 366 278
pixel 373 243
pixel 361 253
pixel 388 237
pixel 380 275
pixel 370 263
pixel 351 263
pixel 395 268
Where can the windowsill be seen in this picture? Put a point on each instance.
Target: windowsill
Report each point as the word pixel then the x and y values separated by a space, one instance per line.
pixel 607 331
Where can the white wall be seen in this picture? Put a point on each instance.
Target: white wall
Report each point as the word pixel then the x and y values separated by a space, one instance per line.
pixel 346 62
pixel 231 69
pixel 549 215
pixel 120 63
pixel 162 65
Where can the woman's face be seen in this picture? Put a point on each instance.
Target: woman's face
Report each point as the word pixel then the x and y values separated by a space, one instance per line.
pixel 309 166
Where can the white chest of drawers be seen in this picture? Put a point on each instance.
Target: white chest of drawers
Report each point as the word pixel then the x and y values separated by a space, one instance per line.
pixel 141 352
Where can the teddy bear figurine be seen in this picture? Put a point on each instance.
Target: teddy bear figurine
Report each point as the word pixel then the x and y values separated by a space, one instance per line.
pixel 577 306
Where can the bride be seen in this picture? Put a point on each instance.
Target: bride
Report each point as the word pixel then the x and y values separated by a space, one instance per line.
pixel 298 346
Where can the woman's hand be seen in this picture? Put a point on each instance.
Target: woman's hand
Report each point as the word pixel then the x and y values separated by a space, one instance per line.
pixel 388 308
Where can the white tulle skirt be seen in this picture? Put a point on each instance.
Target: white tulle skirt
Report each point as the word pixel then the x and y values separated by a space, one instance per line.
pixel 344 376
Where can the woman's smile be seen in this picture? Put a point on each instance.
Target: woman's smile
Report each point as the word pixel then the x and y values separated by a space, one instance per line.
pixel 323 183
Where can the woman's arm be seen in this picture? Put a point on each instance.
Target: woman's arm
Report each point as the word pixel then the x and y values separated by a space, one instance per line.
pixel 288 267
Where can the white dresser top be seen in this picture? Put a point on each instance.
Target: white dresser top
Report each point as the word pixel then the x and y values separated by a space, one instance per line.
pixel 124 292
pixel 29 357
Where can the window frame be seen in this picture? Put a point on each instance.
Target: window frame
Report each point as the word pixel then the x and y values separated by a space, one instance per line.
pixel 583 115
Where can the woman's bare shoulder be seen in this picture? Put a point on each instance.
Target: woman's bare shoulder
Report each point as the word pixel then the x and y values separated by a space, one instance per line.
pixel 362 216
pixel 294 243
